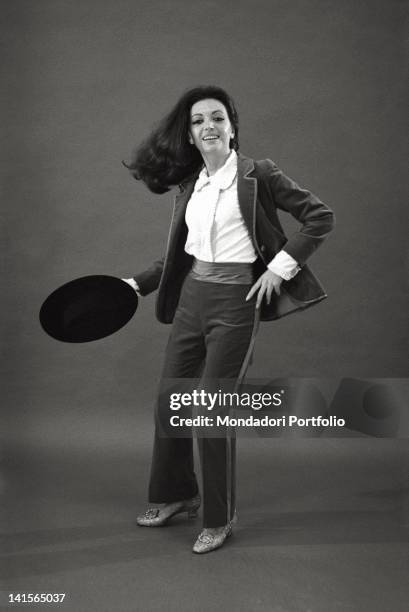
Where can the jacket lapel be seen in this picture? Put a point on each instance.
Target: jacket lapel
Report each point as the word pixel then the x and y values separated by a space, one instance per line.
pixel 179 206
pixel 247 194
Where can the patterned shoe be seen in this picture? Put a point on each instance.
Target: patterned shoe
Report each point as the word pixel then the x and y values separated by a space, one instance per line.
pixel 212 538
pixel 156 517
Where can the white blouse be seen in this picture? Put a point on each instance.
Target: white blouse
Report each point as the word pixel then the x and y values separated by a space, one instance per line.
pixel 216 229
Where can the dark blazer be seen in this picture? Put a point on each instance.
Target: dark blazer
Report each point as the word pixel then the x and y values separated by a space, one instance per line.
pixel 262 189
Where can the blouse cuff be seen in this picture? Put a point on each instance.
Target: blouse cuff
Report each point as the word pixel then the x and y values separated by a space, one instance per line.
pixel 284 265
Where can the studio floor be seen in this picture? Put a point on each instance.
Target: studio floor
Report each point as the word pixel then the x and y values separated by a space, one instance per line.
pixel 322 528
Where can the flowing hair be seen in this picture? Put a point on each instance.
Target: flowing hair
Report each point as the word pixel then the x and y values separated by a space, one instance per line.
pixel 166 158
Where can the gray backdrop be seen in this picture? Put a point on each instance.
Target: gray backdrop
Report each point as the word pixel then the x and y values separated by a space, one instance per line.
pixel 320 89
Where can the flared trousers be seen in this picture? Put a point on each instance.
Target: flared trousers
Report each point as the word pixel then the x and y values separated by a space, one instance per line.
pixel 211 337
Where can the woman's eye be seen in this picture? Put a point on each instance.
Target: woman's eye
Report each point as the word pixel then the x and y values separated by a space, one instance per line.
pixel 196 121
pixel 219 118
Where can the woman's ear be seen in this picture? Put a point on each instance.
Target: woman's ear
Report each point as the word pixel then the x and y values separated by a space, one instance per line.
pixel 190 138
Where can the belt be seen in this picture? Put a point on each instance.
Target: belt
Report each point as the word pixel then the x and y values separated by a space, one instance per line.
pixel 229 273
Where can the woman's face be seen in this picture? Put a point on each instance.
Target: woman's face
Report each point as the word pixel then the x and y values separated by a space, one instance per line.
pixel 210 127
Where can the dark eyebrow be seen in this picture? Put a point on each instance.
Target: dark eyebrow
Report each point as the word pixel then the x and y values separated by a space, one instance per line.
pixel 218 110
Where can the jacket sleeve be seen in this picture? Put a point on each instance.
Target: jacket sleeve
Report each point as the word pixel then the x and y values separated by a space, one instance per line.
pixel 149 280
pixel 317 218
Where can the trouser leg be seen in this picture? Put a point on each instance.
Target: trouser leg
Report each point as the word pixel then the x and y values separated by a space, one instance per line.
pixel 229 331
pixel 172 472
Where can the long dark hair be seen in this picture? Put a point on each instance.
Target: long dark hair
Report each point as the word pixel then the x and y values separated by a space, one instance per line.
pixel 166 157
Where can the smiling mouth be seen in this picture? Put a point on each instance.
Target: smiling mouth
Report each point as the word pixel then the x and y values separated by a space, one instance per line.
pixel 210 138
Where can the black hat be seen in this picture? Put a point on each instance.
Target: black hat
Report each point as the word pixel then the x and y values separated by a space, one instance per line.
pixel 88 308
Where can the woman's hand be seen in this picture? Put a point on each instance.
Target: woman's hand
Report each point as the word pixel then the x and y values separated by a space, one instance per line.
pixel 132 282
pixel 266 284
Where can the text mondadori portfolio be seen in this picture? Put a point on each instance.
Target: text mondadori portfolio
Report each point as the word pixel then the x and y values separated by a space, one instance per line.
pixel 253 421
pixel 256 401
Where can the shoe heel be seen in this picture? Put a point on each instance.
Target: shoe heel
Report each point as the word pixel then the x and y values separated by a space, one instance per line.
pixel 193 506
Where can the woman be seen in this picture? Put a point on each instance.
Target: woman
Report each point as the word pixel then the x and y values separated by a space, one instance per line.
pixel 227 264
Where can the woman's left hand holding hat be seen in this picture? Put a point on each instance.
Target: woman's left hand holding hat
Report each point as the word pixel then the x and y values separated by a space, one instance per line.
pixel 132 282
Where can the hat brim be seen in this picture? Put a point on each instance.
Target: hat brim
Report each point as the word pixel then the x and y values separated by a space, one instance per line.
pixel 88 308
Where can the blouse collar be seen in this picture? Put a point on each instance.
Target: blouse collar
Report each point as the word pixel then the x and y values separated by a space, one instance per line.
pixel 223 178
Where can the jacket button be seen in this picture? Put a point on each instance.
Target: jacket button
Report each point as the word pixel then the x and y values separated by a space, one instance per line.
pixel 263 248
